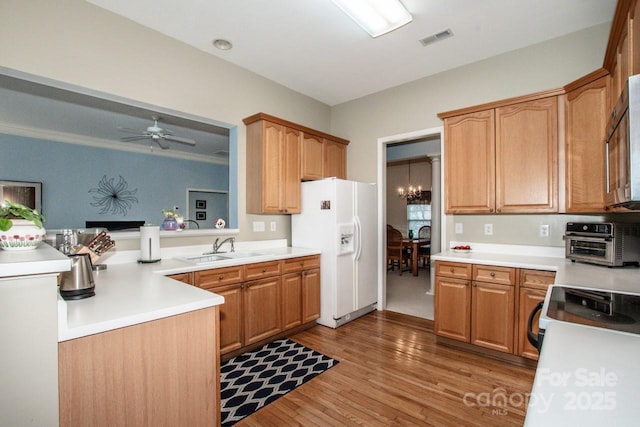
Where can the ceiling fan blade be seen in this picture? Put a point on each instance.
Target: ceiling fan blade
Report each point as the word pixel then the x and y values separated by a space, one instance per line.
pixel 134 138
pixel 162 143
pixel 179 139
pixel 129 130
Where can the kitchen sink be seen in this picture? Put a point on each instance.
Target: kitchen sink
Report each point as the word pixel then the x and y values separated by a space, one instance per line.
pixel 241 254
pixel 204 259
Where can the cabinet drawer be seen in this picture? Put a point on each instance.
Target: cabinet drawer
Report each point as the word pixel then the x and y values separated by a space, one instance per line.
pixel 458 270
pixel 493 274
pixel 303 263
pixel 262 269
pixel 218 276
pixel 536 279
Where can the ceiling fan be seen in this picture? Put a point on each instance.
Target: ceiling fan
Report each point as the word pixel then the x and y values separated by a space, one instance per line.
pixel 157 134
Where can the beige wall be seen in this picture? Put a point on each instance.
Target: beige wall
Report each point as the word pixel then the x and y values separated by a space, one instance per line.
pixel 414 106
pixel 78 43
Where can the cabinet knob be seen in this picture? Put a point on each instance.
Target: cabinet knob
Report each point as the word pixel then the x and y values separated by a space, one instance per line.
pixel 452 270
pixel 492 274
pixel 220 277
pixel 264 270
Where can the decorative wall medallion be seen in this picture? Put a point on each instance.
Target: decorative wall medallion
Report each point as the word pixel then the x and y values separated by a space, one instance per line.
pixel 113 197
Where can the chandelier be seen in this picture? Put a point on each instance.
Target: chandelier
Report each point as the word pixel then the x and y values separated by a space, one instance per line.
pixel 412 193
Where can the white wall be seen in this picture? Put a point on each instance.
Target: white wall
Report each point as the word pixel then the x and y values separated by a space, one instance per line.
pixel 414 106
pixel 78 43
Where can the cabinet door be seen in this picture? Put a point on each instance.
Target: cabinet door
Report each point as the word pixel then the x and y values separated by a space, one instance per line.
pixel 469 149
pixel 529 298
pixel 262 315
pixel 452 308
pixel 492 316
pixel 312 160
pixel 335 159
pixel 272 167
pixel 231 317
pixel 310 295
pixel 290 179
pixel 291 300
pixel 586 113
pixel 527 157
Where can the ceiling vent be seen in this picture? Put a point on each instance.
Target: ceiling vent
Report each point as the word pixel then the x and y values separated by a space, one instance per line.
pixel 437 37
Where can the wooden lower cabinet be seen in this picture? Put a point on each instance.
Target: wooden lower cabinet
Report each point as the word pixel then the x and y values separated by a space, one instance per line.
pixel 453 308
pixel 231 317
pixel 183 277
pixel 263 299
pixel 262 314
pixel 533 288
pixel 488 306
pixel 492 320
pixel 163 372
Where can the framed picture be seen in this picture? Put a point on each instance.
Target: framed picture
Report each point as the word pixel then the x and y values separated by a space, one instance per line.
pixel 201 216
pixel 201 204
pixel 25 193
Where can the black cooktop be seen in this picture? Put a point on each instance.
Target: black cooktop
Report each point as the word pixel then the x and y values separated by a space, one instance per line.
pixel 599 308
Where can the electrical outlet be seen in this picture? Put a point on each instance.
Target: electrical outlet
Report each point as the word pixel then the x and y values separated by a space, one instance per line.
pixel 273 226
pixel 488 229
pixel 544 230
pixel 458 228
pixel 258 226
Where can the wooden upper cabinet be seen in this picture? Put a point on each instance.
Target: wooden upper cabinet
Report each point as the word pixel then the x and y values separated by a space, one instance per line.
pixel 503 159
pixel 312 157
pixel 622 57
pixel 334 159
pixel 323 158
pixel 527 157
pixel 280 154
pixel 586 112
pixel 470 163
pixel 273 168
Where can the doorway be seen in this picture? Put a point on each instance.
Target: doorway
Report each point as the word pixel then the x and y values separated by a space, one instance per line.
pixel 408 294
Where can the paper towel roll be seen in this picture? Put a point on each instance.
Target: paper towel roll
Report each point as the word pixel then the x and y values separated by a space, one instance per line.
pixel 149 243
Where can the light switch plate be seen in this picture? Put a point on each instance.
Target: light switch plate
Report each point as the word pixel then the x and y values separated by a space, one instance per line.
pixel 459 228
pixel 273 226
pixel 258 226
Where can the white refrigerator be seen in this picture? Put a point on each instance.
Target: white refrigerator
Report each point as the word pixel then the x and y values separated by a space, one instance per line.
pixel 340 218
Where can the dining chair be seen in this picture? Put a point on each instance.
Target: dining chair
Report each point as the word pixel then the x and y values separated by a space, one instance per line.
pixel 424 251
pixel 397 254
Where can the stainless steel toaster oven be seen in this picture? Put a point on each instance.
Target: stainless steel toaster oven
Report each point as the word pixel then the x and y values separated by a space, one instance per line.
pixel 609 244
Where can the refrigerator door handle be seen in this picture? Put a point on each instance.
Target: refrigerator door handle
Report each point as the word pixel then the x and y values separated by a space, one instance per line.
pixel 358 238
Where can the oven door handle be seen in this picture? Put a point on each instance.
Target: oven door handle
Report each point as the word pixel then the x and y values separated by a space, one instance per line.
pixel 578 237
pixel 533 338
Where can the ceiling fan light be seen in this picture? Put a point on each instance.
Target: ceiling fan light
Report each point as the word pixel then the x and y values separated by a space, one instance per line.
pixel 376 17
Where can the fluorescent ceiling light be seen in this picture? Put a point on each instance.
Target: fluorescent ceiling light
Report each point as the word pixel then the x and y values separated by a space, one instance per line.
pixel 376 17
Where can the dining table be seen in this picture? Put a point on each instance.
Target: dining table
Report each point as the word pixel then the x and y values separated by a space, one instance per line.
pixel 414 244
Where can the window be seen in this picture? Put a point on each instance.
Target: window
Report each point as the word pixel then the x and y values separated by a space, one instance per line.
pixel 417 216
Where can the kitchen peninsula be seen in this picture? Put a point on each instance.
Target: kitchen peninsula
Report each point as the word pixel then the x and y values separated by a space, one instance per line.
pixel 142 331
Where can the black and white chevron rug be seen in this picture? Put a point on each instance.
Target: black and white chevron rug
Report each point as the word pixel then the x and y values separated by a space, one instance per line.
pixel 253 380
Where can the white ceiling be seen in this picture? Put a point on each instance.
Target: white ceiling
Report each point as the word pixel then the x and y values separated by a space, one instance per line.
pixel 313 48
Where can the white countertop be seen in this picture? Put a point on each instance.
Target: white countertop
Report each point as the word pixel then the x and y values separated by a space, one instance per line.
pixel 42 260
pixel 586 377
pixel 129 293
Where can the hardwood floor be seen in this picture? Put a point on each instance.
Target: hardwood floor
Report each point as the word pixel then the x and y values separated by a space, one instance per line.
pixel 392 372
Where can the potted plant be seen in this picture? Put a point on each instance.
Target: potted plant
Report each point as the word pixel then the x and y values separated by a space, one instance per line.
pixel 170 222
pixel 20 227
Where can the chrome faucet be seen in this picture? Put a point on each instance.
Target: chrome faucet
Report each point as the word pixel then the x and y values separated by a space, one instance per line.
pixel 216 245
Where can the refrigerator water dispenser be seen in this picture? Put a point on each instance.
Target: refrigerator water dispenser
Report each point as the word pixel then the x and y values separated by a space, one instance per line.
pixel 345 238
